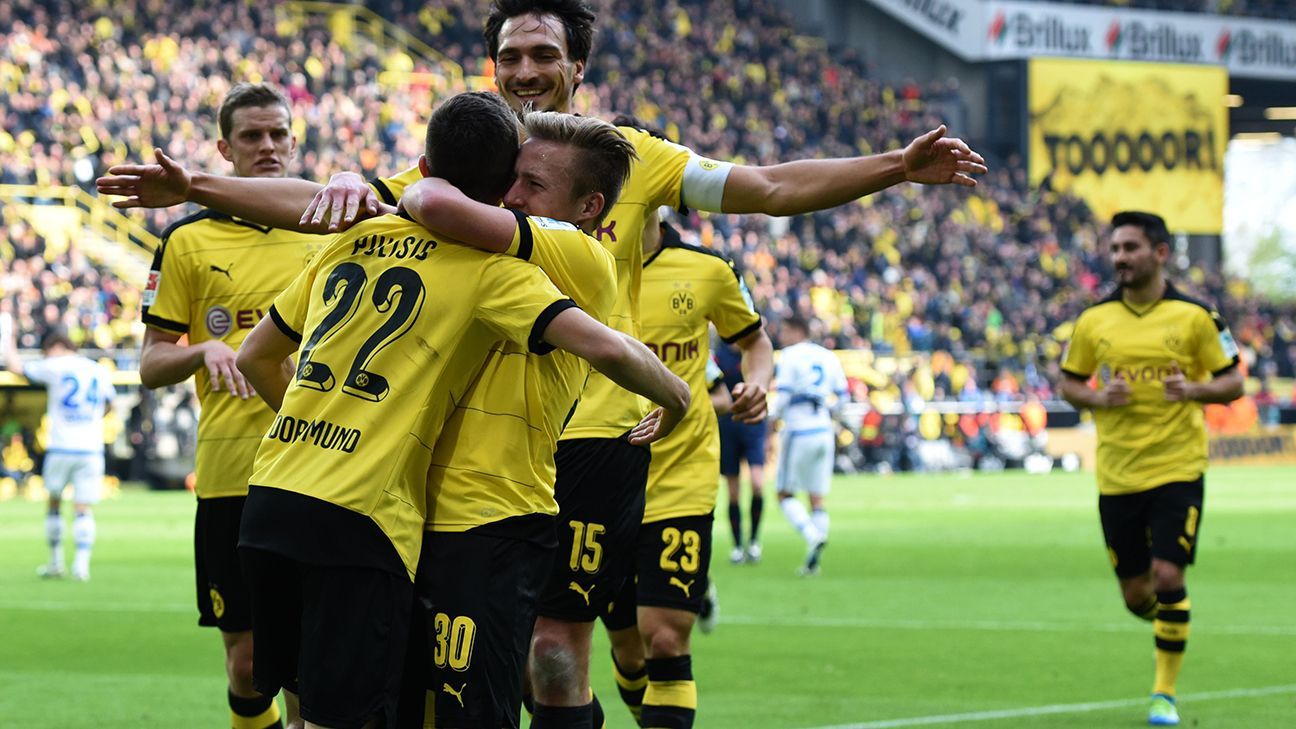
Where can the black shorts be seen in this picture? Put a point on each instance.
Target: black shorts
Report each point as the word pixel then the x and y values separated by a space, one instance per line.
pixel 223 600
pixel 600 492
pixel 623 612
pixel 1163 522
pixel 474 608
pixel 741 442
pixel 334 635
pixel 673 562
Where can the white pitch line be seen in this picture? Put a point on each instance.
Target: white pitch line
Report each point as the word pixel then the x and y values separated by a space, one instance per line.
pixel 1058 709
pixel 1022 626
pixel 806 621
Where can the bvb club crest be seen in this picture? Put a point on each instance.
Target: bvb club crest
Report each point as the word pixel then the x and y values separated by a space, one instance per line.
pixel 682 302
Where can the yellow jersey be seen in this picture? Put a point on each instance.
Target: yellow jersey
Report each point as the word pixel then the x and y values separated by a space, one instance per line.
pixel 213 278
pixel 656 179
pixel 393 326
pixel 1149 442
pixel 495 458
pixel 686 288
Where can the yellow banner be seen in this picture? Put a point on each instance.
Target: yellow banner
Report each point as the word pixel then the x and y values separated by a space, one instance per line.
pixel 1132 136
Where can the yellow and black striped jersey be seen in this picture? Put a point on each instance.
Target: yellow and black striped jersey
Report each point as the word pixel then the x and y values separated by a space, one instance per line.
pixel 1149 442
pixel 393 326
pixel 213 278
pixel 686 288
pixel 495 458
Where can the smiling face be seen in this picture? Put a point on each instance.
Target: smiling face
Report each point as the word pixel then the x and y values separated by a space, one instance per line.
pixel 543 185
pixel 1136 260
pixel 532 65
pixel 260 142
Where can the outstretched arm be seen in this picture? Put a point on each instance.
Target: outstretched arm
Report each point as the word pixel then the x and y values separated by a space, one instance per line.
pixel 626 362
pixel 443 209
pixel 279 202
pixel 816 184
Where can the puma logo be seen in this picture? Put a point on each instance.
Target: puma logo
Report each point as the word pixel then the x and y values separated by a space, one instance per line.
pixel 213 268
pixel 1187 545
pixel 581 591
pixel 457 694
pixel 685 586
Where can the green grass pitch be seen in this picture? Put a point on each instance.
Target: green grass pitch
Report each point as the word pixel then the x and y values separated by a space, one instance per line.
pixel 945 600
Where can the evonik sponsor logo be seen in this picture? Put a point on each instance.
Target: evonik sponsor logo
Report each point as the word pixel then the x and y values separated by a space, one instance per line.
pixel 1027 32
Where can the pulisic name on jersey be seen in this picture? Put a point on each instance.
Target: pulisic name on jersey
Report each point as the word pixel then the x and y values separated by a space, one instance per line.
pixel 384 246
pixel 320 433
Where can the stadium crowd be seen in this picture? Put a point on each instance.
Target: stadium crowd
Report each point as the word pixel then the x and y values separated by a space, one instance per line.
pixel 993 278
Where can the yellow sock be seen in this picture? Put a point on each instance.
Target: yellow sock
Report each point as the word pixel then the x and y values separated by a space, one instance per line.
pixel 1171 628
pixel 261 712
pixel 670 700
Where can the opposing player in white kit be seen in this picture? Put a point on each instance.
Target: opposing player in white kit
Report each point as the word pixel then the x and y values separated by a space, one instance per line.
pixel 79 391
pixel 811 388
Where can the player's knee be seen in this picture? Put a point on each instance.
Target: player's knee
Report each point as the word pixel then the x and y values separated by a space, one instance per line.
pixel 554 665
pixel 1167 575
pixel 668 641
pixel 238 665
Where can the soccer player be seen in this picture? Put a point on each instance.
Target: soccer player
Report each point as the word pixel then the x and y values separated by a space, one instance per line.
pixel 211 281
pixel 686 290
pixel 491 520
pixel 1158 355
pixel 811 388
pixel 79 391
pixel 741 442
pixel 334 522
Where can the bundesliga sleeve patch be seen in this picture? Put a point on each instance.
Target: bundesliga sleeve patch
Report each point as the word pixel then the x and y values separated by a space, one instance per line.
pixel 1227 343
pixel 551 224
pixel 150 290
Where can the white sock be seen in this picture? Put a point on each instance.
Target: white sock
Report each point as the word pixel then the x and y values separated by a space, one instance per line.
pixel 796 513
pixel 83 531
pixel 54 534
pixel 820 519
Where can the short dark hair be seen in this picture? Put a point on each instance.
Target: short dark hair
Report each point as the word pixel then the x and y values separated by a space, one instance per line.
pixel 603 154
pixel 56 339
pixel 246 95
pixel 577 18
pixel 1152 225
pixel 472 141
pixel 798 322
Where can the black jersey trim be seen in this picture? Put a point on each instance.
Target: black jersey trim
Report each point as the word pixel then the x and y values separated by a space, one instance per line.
pixel 190 219
pixel 1076 375
pixel 526 239
pixel 160 323
pixel 1225 370
pixel 755 326
pixel 536 341
pixel 383 191
pixel 288 331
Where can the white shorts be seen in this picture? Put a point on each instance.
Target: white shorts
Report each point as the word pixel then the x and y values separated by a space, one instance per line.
pixel 806 460
pixel 84 471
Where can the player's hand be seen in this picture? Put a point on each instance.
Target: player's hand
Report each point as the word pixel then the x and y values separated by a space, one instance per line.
pixel 159 185
pixel 344 201
pixel 655 425
pixel 1116 393
pixel 1177 387
pixel 218 358
pixel 750 404
pixel 934 159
